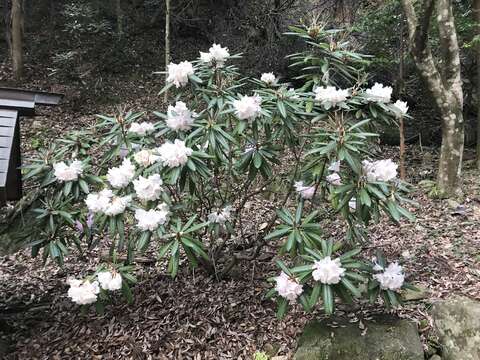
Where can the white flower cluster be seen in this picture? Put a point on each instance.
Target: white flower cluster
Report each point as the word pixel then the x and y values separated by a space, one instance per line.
pixel 327 271
pixel 306 192
pixel 247 107
pixel 105 202
pixel 150 220
pixel 148 189
pixel 220 217
pixel 174 154
pixel 83 292
pixel 142 128
pixel 145 158
pixel 380 93
pixel 269 78
pixel 179 117
pixel 64 172
pixel 216 55
pixel 330 94
pixel 391 278
pixel 120 176
pixel 178 73
pixel 288 288
pixel 110 280
pixel 380 170
pixel 334 178
pixel 402 106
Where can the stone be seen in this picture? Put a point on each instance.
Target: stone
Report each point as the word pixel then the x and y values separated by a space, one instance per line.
pixel 435 357
pixel 457 323
pixel 382 338
pixel 413 295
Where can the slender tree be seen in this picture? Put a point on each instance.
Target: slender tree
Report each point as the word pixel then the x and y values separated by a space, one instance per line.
pixel 16 48
pixel 443 79
pixel 476 14
pixel 119 11
pixel 167 38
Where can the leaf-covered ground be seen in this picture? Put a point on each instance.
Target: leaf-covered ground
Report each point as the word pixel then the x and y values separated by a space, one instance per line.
pixel 198 317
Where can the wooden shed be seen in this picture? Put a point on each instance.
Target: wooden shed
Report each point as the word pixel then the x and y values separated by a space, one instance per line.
pixel 15 103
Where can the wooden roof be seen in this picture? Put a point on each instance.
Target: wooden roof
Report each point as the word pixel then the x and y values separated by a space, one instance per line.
pixel 13 104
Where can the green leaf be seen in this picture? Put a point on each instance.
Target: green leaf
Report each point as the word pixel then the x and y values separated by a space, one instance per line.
pixel 328 303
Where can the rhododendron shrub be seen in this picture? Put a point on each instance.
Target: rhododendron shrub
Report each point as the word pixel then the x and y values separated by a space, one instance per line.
pixel 178 183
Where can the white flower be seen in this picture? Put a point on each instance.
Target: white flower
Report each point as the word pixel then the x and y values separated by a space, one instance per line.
pixel 216 54
pixel 334 179
pixel 117 205
pixel 121 176
pixel 327 271
pixel 142 128
pixel 178 73
pixel 380 170
pixel 392 278
pixel 98 202
pixel 334 166
pixel 64 172
pixel 402 106
pixel 83 292
pixel 352 204
pixel 288 288
pixel 306 192
pixel 406 254
pixel 380 93
pixel 145 157
pixel 179 117
pixel 150 220
pixel 248 107
pixel 269 78
pixel 206 57
pixel 174 154
pixel 148 188
pixel 110 280
pixel 220 217
pixel 330 94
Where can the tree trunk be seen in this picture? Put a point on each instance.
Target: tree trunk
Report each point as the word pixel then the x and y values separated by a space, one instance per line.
pixel 400 91
pixel 119 11
pixel 17 38
pixel 444 83
pixel 8 22
pixel 476 14
pixel 167 40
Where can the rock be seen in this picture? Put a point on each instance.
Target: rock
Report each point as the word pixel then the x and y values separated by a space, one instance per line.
pixel 412 295
pixel 457 322
pixel 382 338
pixel 435 357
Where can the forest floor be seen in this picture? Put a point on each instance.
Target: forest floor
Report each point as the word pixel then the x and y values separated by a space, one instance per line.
pixel 198 317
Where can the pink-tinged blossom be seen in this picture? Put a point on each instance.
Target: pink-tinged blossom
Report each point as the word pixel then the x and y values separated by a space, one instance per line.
pixel 330 94
pixel 64 172
pixel 327 271
pixel 380 93
pixel 306 192
pixel 380 170
pixel 288 288
pixel 392 278
pixel 178 73
pixel 174 154
pixel 110 280
pixel 334 179
pixel 83 292
pixel 248 107
pixel 142 128
pixel 179 117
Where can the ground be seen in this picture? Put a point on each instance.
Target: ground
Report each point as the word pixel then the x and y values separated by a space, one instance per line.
pixel 196 316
